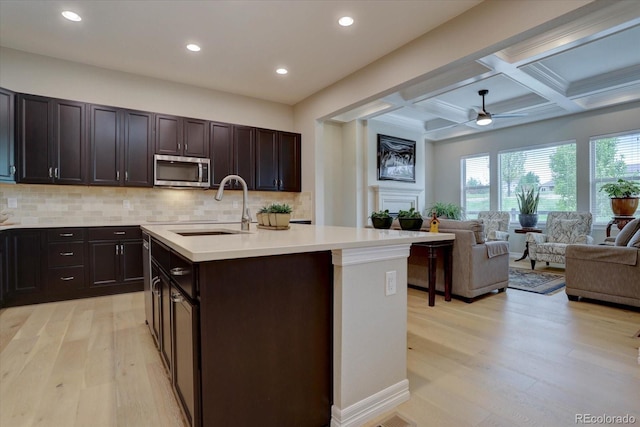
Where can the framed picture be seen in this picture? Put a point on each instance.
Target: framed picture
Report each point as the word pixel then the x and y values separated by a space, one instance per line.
pixel 396 159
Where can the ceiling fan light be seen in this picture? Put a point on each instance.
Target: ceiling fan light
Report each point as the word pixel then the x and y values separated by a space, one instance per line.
pixel 484 119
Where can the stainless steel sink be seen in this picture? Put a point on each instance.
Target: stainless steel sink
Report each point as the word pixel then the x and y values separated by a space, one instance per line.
pixel 216 232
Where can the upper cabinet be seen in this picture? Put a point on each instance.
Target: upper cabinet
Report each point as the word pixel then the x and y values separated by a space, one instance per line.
pixel 277 160
pixel 244 155
pixel 121 144
pixel 7 136
pixel 51 141
pixel 221 149
pixel 180 136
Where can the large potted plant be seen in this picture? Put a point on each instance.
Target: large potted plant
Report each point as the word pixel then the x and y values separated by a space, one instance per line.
pixel 410 220
pixel 381 219
pixel 447 210
pixel 624 196
pixel 528 199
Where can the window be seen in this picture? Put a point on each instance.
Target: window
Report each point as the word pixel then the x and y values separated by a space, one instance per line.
pixel 551 168
pixel 612 157
pixel 475 190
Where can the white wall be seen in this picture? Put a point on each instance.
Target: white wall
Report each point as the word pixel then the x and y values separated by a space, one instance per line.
pixel 579 127
pixel 41 75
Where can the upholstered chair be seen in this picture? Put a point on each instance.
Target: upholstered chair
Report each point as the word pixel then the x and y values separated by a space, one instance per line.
pixel 562 229
pixel 496 225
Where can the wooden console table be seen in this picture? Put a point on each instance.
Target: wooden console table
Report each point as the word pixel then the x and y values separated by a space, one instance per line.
pixel 446 247
pixel 620 221
pixel 526 244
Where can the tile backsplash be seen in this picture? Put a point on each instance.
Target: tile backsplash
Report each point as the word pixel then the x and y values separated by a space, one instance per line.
pixel 85 205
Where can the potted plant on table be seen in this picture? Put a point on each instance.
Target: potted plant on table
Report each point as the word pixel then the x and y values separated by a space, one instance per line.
pixel 624 196
pixel 447 210
pixel 410 220
pixel 381 219
pixel 528 199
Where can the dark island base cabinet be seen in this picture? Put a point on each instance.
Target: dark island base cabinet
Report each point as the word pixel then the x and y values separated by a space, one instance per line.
pixel 266 343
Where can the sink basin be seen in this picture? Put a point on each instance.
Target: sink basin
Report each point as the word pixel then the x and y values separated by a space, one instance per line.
pixel 216 232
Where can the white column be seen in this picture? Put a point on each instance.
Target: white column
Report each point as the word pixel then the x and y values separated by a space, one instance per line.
pixel 369 333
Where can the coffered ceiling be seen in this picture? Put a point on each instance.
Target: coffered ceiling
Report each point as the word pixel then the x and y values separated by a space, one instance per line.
pixel 585 65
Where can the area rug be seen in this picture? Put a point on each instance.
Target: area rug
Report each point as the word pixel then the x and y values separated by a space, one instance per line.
pixel 535 281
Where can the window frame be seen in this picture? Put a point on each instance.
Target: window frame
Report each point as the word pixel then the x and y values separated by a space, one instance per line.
pixel 463 180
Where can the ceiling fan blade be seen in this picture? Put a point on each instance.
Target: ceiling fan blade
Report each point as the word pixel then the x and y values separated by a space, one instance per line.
pixel 504 116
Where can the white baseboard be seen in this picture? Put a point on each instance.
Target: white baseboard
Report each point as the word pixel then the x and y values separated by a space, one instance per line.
pixel 374 405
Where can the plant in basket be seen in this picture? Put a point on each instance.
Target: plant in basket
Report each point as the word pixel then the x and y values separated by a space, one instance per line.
pixel 279 215
pixel 381 219
pixel 410 220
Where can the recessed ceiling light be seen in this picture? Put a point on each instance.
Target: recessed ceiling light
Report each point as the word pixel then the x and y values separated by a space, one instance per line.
pixel 71 16
pixel 282 71
pixel 193 47
pixel 345 21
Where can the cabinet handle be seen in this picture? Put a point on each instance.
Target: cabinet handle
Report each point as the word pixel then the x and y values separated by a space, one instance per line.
pixel 66 279
pixel 154 282
pixel 275 182
pixel 50 172
pixel 65 234
pixel 117 249
pixel 56 173
pixel 121 249
pixel 180 271
pixel 117 175
pixel 145 244
pixel 280 184
pixel 119 233
pixel 66 253
pixel 186 147
pixel 13 170
pixel 179 145
pixel 126 175
pixel 176 297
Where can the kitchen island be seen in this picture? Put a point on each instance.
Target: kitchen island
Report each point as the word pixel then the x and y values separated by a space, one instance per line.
pixel 305 326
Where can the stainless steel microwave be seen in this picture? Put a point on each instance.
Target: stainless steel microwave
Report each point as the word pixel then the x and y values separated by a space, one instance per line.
pixel 178 171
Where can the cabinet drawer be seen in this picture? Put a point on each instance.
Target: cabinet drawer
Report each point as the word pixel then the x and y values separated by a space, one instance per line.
pixel 65 279
pixel 65 234
pixel 182 272
pixel 161 254
pixel 66 254
pixel 114 233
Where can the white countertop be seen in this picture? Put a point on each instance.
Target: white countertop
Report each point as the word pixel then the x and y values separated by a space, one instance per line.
pixel 260 242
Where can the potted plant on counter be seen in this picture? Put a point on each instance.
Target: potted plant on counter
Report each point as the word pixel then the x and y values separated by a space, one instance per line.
pixel 528 199
pixel 263 215
pixel 381 219
pixel 624 196
pixel 410 220
pixel 279 215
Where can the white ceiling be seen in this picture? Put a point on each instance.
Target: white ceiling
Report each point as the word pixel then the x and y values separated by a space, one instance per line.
pixel 591 63
pixel 243 42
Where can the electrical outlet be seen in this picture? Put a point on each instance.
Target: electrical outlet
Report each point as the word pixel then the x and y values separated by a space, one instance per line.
pixel 235 204
pixel 390 283
pixel 12 203
pixel 126 204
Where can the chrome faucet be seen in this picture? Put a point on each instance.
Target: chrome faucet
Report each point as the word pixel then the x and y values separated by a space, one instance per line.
pixel 246 216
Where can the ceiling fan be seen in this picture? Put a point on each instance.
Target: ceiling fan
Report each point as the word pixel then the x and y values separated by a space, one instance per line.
pixel 484 117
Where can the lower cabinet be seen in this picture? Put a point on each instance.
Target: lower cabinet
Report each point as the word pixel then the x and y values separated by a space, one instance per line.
pixel 174 319
pixel 52 264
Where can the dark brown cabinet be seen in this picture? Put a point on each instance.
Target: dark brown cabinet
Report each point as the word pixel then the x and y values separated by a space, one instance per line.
pixel 244 155
pixel 51 141
pixel 181 136
pixel 115 256
pixel 277 160
pixel 24 264
pixel 7 136
pixel 121 144
pixel 221 149
pixel 65 260
pixel 3 266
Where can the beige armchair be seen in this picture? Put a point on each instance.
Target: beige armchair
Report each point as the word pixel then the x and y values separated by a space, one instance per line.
pixel 496 225
pixel 562 229
pixel 479 267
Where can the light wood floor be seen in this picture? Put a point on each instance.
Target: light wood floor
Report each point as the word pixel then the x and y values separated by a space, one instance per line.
pixel 511 359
